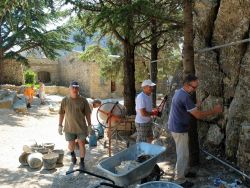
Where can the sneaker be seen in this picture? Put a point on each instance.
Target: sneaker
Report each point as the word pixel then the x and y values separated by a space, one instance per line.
pixel 82 165
pixel 187 184
pixel 73 159
pixel 190 175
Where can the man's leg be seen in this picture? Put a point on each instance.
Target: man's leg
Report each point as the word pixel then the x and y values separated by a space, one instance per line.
pixel 82 149
pixel 71 146
pixel 182 152
pixel 30 99
pixel 148 128
pixel 141 134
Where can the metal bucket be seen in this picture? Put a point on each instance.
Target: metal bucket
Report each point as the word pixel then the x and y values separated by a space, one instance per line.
pixel 159 184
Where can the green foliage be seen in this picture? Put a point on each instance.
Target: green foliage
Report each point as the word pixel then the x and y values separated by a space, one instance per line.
pixel 171 60
pixel 110 66
pixel 24 27
pixel 30 77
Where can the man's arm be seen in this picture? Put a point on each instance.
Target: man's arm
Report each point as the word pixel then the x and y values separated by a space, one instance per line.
pixel 61 117
pixel 145 113
pixel 203 114
pixel 88 118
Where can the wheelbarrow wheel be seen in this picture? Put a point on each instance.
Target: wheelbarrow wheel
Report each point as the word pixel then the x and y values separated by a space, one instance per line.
pixel 155 175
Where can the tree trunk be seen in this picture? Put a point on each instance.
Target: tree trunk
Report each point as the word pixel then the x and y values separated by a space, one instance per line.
pixel 188 48
pixel 153 64
pixel 188 65
pixel 129 79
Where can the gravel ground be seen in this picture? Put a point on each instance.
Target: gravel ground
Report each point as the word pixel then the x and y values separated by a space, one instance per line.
pixel 41 125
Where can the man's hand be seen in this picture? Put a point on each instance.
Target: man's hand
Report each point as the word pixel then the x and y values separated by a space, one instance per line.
pixel 155 112
pixel 60 130
pixel 90 129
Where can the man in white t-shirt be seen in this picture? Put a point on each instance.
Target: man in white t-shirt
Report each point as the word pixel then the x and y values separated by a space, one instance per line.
pixel 143 107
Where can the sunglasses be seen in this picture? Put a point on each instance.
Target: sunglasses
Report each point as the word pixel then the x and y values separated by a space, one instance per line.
pixel 194 87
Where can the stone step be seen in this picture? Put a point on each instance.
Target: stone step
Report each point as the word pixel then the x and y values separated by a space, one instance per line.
pixel 20 104
pixel 7 98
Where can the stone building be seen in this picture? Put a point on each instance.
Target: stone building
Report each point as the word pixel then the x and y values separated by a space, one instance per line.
pixel 70 67
pixel 61 72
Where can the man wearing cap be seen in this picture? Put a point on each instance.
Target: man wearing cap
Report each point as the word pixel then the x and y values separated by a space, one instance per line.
pixel 143 107
pixel 75 109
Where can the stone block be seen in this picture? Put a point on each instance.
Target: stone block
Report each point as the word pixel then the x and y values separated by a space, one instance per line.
pixel 20 105
pixel 214 135
pixel 7 98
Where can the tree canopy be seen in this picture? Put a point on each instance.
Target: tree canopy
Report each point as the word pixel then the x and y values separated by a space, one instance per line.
pixel 129 22
pixel 24 26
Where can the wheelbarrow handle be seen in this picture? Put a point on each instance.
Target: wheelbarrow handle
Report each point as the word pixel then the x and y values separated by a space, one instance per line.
pixel 90 173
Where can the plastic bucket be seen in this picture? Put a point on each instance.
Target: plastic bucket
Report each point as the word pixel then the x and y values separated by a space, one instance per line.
pixel 159 184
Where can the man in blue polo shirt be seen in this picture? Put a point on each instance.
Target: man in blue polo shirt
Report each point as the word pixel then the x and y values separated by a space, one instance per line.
pixel 182 108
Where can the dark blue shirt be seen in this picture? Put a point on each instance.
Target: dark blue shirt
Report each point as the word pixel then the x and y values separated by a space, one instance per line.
pixel 179 116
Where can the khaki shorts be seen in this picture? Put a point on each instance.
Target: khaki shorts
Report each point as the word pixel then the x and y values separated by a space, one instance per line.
pixel 74 136
pixel 144 131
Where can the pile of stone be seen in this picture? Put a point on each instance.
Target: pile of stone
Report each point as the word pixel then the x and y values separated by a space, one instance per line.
pixel 35 156
pixel 10 99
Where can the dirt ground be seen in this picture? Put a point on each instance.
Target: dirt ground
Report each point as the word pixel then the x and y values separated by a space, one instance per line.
pixel 40 125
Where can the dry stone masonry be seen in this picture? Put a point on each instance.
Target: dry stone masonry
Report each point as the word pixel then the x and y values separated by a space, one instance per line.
pixel 224 73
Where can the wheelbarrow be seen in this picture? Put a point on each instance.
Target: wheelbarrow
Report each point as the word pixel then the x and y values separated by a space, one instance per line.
pixel 131 176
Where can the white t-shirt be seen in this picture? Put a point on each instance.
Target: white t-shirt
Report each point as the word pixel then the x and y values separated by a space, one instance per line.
pixel 143 101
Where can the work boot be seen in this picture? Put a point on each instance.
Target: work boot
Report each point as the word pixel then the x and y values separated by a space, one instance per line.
pixel 73 157
pixel 82 165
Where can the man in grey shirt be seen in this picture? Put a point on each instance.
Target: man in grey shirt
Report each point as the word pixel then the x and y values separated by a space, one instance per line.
pixel 76 111
pixel 143 107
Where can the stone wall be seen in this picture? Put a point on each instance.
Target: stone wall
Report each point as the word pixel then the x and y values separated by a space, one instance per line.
pixel 224 72
pixel 46 65
pixel 11 72
pixel 243 153
pixel 87 74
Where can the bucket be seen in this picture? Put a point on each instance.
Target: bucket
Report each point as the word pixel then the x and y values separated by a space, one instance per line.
pixel 39 149
pixel 92 140
pixel 35 160
pixel 159 184
pixel 23 158
pixel 60 152
pixel 49 146
pixel 100 131
pixel 49 160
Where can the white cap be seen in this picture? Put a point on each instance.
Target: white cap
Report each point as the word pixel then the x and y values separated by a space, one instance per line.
pixel 147 83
